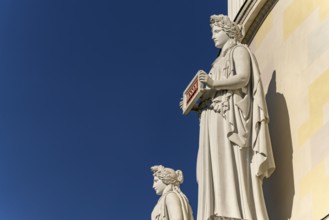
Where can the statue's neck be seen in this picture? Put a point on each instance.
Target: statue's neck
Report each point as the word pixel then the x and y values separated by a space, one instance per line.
pixel 228 45
pixel 167 189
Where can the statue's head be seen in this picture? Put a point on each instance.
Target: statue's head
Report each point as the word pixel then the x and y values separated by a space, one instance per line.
pixel 165 176
pixel 224 29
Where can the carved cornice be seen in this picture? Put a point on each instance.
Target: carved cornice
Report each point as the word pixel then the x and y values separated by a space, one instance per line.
pixel 244 11
pixel 252 15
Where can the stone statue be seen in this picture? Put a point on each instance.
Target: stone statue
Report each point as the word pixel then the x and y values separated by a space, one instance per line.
pixel 235 151
pixel 172 204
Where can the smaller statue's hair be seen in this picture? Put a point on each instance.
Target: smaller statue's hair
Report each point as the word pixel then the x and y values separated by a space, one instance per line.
pixel 232 29
pixel 168 175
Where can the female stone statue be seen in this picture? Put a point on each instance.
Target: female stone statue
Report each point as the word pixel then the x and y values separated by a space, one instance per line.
pixel 172 204
pixel 235 150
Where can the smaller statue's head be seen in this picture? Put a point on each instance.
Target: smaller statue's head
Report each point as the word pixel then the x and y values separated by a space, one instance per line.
pixel 165 176
pixel 224 29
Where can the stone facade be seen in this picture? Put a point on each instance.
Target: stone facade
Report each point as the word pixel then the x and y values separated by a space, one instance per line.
pixel 290 40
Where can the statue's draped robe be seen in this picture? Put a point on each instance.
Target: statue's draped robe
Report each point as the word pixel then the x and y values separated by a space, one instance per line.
pixel 235 151
pixel 160 211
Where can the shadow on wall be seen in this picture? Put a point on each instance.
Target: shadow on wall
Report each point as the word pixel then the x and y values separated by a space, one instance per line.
pixel 279 189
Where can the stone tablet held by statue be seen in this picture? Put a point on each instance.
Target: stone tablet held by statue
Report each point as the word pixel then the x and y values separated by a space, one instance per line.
pixel 192 94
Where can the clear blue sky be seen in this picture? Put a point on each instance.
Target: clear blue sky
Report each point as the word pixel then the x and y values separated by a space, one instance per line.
pixel 89 94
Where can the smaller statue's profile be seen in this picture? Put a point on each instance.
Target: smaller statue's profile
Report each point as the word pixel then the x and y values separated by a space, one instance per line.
pixel 172 204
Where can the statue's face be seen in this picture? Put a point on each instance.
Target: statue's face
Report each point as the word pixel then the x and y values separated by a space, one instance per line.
pixel 158 186
pixel 219 36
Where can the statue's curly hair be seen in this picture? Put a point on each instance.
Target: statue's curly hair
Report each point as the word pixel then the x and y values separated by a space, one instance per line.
pixel 232 29
pixel 168 175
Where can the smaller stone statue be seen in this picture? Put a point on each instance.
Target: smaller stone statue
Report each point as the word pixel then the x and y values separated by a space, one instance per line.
pixel 172 204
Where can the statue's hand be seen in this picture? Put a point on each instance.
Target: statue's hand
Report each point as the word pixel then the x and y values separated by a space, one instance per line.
pixel 204 78
pixel 194 108
pixel 181 103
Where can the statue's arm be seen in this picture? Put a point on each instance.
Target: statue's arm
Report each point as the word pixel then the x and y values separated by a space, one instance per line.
pixel 174 207
pixel 242 62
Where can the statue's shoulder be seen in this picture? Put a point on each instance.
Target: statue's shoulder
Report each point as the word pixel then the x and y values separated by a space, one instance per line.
pixel 240 51
pixel 240 48
pixel 170 196
pixel 172 200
